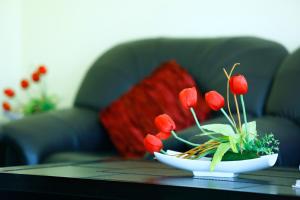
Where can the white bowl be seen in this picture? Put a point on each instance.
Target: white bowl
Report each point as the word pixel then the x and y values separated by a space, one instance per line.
pixel 201 167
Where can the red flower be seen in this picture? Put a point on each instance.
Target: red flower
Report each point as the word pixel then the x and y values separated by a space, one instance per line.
pixel 6 106
pixel 9 92
pixel 214 100
pixel 152 143
pixel 238 84
pixel 164 123
pixel 188 97
pixel 24 83
pixel 35 76
pixel 42 69
pixel 163 136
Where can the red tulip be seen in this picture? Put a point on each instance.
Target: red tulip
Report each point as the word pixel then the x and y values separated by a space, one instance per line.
pixel 238 84
pixel 163 136
pixel 9 92
pixel 42 69
pixel 164 123
pixel 24 83
pixel 6 106
pixel 188 97
pixel 214 100
pixel 152 143
pixel 35 76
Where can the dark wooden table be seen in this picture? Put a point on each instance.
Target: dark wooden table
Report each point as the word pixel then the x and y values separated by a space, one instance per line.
pixel 115 179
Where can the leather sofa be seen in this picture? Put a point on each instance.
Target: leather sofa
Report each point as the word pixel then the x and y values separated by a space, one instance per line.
pixel 75 134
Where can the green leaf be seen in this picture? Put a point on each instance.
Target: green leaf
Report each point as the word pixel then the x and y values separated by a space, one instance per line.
pixel 207 134
pixel 230 156
pixel 251 130
pixel 221 150
pixel 223 129
pixel 233 141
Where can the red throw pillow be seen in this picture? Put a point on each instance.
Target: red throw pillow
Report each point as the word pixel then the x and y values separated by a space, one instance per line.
pixel 131 117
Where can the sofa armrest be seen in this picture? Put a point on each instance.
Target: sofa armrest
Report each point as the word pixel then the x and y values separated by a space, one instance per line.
pixel 31 139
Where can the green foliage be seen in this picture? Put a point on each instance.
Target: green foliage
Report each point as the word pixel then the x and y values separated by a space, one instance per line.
pixel 221 150
pixel 245 155
pixel 223 129
pixel 38 105
pixel 233 142
pixel 267 145
pixel 251 130
pixel 237 145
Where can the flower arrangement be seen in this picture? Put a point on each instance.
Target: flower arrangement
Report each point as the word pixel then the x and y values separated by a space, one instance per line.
pixel 226 142
pixel 15 107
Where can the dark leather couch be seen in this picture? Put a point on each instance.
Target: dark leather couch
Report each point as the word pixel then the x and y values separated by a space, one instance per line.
pixel 75 134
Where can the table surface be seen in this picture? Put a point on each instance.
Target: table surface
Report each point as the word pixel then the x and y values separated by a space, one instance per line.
pixel 131 179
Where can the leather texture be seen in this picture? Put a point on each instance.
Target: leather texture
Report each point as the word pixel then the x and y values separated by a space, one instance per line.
pixel 203 58
pixel 30 140
pixel 34 139
pixel 284 97
pixel 287 132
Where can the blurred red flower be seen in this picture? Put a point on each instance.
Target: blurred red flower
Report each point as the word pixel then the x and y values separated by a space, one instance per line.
pixel 35 77
pixel 9 92
pixel 24 83
pixel 6 106
pixel 42 69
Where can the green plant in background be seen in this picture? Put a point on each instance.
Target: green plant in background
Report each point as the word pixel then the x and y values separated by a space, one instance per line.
pixel 34 101
pixel 37 105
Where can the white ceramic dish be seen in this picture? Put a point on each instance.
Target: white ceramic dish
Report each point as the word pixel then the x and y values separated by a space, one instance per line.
pixel 201 167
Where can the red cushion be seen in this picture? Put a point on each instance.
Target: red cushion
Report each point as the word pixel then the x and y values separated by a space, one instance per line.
pixel 131 117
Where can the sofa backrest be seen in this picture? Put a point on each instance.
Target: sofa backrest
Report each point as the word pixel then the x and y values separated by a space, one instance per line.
pixel 121 67
pixel 284 100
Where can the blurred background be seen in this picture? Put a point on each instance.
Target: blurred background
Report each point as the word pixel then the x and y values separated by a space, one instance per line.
pixel 67 36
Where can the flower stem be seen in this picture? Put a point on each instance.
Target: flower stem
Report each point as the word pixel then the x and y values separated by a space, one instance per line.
pixel 198 123
pixel 196 120
pixel 43 89
pixel 162 151
pixel 231 122
pixel 21 104
pixel 227 95
pixel 183 140
pixel 238 112
pixel 244 111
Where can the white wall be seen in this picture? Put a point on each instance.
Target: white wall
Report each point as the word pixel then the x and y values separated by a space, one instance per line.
pixel 10 42
pixel 68 35
pixel 10 45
